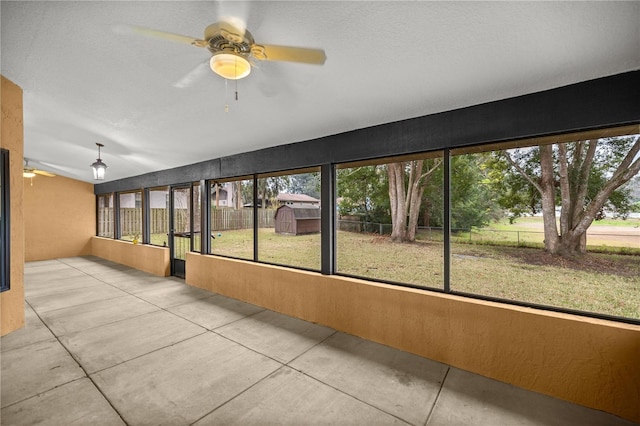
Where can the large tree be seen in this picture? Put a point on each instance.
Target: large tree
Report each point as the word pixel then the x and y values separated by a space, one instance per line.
pixel 407 181
pixel 363 191
pixel 581 178
pixel 472 199
pixel 305 183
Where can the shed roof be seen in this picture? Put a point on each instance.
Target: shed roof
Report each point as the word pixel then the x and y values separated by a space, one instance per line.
pixel 302 211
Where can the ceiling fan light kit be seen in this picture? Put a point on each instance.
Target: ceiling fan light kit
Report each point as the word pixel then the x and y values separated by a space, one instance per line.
pixel 230 65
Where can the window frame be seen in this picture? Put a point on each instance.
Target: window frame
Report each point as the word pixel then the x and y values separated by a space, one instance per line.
pixel 118 217
pixel 5 221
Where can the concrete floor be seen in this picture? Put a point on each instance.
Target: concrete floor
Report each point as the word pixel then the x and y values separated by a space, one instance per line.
pixel 109 345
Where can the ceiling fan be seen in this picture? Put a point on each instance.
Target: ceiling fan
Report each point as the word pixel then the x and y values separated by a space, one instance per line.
pixel 233 50
pixel 30 172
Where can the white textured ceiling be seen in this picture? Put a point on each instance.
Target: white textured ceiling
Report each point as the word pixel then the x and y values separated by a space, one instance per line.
pixel 85 82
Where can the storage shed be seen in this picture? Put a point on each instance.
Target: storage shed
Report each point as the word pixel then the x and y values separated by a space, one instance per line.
pixel 297 219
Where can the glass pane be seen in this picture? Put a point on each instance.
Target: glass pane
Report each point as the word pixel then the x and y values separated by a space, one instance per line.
pixel 181 222
pixel 105 215
pixel 289 219
pixel 232 219
pixel 131 216
pixel 390 218
pixel 517 216
pixel 159 216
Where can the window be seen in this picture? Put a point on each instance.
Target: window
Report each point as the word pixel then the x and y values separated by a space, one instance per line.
pixel 390 219
pixel 5 235
pixel 105 215
pixel 289 219
pixel 159 216
pixel 516 215
pixel 232 218
pixel 130 216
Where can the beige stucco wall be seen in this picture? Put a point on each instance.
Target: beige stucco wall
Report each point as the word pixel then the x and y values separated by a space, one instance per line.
pixel 12 138
pixel 60 217
pixel 587 361
pixel 148 258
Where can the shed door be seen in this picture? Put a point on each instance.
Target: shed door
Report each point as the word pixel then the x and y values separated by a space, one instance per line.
pixel 287 222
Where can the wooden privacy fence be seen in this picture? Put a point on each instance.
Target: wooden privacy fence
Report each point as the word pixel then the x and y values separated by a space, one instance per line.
pixel 105 222
pixel 222 219
pixel 225 219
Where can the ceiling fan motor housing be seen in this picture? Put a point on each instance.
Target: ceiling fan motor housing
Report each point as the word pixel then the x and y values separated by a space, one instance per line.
pixel 224 37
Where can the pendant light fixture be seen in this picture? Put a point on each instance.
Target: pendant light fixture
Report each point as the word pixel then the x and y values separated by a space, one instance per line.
pixel 99 168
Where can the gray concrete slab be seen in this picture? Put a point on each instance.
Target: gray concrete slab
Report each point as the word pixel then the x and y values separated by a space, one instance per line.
pixel 394 381
pixel 36 368
pixel 125 275
pixel 470 399
pixel 101 268
pixel 40 263
pixel 42 288
pixel 144 283
pixel 181 383
pixel 78 296
pixel 167 296
pixel 85 260
pixel 56 275
pixel 33 331
pixel 89 315
pixel 278 336
pixel 108 345
pixel 75 403
pixel 44 266
pixel 215 311
pixel 288 397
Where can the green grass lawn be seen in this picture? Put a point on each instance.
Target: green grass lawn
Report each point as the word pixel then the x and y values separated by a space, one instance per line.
pixel 603 283
pixel 597 282
pixel 608 236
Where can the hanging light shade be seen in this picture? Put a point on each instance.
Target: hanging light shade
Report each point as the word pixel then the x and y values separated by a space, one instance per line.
pixel 99 168
pixel 230 65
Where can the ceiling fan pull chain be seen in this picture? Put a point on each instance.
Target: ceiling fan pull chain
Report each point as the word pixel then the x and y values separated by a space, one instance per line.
pixel 236 79
pixel 226 91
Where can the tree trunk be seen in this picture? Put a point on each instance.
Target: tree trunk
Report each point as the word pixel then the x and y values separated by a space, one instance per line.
pixel 406 200
pixel 547 192
pixel 397 200
pixel 576 213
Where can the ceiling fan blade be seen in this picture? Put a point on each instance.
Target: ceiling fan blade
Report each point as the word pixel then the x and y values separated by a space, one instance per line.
pixel 43 173
pixel 194 75
pixel 235 14
pixel 148 32
pixel 289 54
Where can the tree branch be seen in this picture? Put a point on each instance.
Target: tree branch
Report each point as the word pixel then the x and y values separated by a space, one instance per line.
pixel 522 172
pixel 627 169
pixel 428 173
pixel 583 179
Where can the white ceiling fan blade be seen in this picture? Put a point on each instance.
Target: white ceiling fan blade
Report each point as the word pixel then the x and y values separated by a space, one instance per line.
pixel 57 167
pixel 234 13
pixel 148 32
pixel 43 173
pixel 192 76
pixel 289 54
